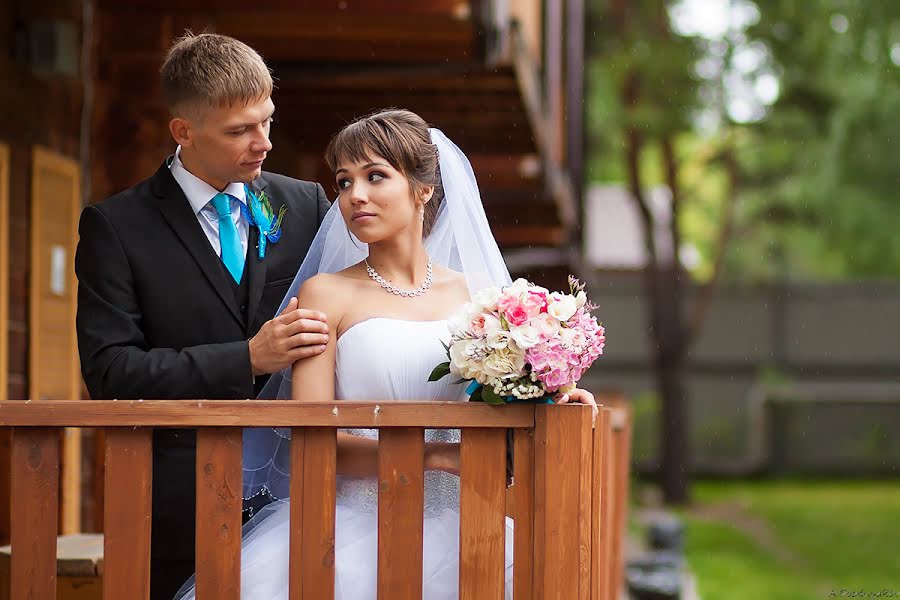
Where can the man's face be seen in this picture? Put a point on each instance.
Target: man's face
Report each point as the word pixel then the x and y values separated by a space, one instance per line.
pixel 225 144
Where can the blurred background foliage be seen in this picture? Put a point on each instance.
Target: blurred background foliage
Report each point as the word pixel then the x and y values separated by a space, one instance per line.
pixel 784 112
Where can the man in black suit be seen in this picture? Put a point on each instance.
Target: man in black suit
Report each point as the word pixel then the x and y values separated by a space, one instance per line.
pixel 176 298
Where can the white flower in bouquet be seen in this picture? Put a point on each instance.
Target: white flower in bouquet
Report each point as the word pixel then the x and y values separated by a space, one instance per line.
pixel 561 306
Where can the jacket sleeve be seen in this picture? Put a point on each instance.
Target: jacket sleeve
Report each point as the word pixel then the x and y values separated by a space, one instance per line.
pixel 116 359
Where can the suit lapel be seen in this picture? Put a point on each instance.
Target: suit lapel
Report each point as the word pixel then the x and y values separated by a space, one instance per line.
pixel 177 211
pixel 256 266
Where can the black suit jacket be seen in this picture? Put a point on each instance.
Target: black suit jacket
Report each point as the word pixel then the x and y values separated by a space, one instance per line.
pixel 157 316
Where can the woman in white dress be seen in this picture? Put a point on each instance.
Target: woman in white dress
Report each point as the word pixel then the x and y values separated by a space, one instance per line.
pixel 393 260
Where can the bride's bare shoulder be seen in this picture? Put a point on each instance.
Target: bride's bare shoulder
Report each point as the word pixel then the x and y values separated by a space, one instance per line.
pixel 326 292
pixel 450 280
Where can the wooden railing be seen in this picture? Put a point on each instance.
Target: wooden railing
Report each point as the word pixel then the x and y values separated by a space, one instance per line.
pixel 568 498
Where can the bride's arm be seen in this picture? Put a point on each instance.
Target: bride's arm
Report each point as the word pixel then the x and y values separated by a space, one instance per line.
pixel 312 379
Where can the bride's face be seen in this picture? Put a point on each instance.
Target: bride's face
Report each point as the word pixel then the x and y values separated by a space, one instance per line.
pixel 376 200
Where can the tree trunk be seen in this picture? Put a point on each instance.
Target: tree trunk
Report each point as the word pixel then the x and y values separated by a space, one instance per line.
pixel 669 359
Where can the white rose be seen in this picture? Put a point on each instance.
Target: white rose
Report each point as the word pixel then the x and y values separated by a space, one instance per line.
pixel 525 336
pixel 484 324
pixel 546 325
pixel 487 298
pixel 517 287
pixel 580 299
pixel 498 340
pixel 561 306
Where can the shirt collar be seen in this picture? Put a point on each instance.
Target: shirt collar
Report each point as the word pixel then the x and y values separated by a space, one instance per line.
pixel 197 191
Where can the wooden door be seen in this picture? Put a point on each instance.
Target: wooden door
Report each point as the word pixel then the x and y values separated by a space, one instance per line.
pixel 54 372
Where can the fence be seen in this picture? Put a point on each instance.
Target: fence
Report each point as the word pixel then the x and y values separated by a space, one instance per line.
pixel 568 499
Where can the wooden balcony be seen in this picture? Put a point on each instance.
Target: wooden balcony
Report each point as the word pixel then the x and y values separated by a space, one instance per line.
pixel 568 497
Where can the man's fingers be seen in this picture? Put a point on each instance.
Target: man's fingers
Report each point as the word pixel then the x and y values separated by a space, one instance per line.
pixel 316 315
pixel 305 326
pixel 307 339
pixel 291 306
pixel 301 314
pixel 302 352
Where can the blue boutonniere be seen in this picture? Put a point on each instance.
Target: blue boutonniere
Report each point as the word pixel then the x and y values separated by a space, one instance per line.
pixel 258 212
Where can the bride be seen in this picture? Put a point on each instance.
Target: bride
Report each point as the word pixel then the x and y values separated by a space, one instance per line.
pixel 405 244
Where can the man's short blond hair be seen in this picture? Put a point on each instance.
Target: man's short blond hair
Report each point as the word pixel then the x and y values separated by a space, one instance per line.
pixel 211 70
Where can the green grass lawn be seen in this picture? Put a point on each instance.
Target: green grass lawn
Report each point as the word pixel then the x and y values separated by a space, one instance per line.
pixel 794 540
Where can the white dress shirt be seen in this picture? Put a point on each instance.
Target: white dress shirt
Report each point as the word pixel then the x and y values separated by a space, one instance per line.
pixel 199 194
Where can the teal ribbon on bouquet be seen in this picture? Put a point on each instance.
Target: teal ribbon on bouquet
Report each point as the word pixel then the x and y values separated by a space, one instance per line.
pixel 479 393
pixel 258 212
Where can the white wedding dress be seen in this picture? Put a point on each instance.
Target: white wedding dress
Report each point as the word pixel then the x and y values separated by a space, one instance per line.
pixel 377 358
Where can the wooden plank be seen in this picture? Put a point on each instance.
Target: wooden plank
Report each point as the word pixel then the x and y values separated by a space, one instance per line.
pixel 585 548
pixel 607 507
pixel 127 490
pixel 562 543
pixel 622 444
pixel 218 554
pixel 317 539
pixel 261 413
pixel 600 436
pixel 70 470
pixel 314 9
pixel 35 479
pixel 523 490
pixel 4 270
pixel 401 503
pixel 295 569
pixel 482 514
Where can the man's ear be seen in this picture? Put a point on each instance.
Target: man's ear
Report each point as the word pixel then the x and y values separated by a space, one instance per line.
pixel 180 128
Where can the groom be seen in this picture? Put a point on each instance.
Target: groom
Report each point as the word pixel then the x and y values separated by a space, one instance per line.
pixel 179 281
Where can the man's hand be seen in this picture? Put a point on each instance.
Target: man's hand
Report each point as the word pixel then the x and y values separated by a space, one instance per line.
pixel 294 334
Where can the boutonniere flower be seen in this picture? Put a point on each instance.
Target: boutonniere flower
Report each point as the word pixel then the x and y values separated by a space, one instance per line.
pixel 258 212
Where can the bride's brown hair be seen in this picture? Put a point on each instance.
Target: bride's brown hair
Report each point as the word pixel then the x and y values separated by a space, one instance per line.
pixel 401 137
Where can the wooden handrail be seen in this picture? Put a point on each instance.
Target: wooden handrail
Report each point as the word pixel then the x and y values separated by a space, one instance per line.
pixel 567 498
pixel 261 413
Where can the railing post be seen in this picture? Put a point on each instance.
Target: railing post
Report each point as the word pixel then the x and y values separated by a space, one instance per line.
pixel 313 470
pixel 127 513
pixel 35 503
pixel 622 468
pixel 218 551
pixel 523 504
pixel 562 503
pixel 604 503
pixel 401 505
pixel 482 512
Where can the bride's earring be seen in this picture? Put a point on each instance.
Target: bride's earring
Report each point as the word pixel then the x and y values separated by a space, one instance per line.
pixel 422 212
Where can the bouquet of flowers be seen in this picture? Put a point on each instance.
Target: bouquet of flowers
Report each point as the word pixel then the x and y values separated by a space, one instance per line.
pixel 522 342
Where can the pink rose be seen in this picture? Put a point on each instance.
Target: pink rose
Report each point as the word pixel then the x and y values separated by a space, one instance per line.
pixel 505 301
pixel 516 315
pixel 534 302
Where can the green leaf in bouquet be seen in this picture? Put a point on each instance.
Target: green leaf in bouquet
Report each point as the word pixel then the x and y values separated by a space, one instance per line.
pixel 476 395
pixel 440 371
pixel 489 396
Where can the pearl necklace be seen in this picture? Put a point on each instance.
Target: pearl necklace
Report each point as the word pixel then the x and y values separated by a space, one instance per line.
pixel 387 285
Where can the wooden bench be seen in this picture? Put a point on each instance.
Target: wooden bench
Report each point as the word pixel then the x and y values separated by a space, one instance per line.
pixel 79 567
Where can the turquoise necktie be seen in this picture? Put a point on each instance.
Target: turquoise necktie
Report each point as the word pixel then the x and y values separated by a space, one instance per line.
pixel 228 237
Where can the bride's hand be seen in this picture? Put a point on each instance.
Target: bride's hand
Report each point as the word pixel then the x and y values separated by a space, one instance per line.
pixel 442 456
pixel 580 396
